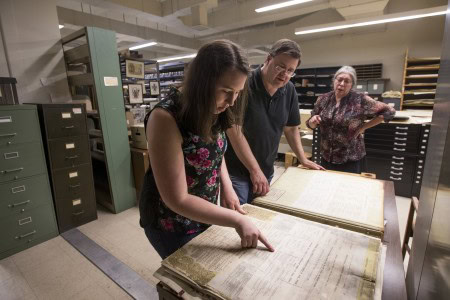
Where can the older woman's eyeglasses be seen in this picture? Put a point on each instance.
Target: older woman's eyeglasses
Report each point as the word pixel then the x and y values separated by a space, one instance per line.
pixel 279 69
pixel 343 80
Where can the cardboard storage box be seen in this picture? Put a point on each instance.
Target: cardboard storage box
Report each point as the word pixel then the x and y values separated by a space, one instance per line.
pixel 138 138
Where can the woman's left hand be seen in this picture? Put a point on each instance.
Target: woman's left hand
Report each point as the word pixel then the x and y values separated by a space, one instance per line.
pixel 230 200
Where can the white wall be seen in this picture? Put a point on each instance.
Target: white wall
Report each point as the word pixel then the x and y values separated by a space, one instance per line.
pixel 384 44
pixel 3 65
pixel 32 44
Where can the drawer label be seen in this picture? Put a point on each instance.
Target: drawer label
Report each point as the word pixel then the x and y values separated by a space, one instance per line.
pixel 11 155
pixel 18 189
pixel 375 86
pixel 77 110
pixel 25 221
pixel 70 146
pixel 76 202
pixel 66 115
pixel 7 119
pixel 73 174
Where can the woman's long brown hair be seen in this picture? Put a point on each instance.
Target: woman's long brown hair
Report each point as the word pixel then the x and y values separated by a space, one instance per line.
pixel 198 103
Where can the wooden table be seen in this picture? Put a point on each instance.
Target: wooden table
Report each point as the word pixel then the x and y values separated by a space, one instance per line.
pixel 394 286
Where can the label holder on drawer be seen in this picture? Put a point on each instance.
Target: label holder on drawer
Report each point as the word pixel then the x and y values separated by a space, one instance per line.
pixel 11 155
pixel 25 221
pixel 6 119
pixel 18 189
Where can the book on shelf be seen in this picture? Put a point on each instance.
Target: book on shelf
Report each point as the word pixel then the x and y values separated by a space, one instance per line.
pixel 313 258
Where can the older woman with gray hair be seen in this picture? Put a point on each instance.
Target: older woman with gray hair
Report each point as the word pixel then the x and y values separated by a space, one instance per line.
pixel 342 116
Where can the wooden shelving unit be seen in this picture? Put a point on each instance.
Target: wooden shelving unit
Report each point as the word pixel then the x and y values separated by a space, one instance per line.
pixel 419 82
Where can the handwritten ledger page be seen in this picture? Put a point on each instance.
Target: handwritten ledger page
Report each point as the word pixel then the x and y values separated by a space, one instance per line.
pixel 311 261
pixel 347 197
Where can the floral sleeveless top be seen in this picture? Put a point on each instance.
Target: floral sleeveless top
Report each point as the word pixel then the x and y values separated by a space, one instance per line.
pixel 202 164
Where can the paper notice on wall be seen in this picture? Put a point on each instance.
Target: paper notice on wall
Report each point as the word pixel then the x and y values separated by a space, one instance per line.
pixel 111 81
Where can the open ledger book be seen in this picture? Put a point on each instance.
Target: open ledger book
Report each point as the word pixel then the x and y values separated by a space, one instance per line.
pixel 312 260
pixel 334 198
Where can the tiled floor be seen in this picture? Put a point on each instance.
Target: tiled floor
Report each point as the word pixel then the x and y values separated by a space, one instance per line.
pixel 55 270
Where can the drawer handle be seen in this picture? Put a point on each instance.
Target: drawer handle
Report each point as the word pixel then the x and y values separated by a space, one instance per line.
pixel 25 235
pixel 398 174
pixel 401 128
pixel 69 127
pixel 400 139
pixel 401 133
pixel 397 169
pixel 8 134
pixel 78 213
pixel 11 171
pixel 397 164
pixel 72 157
pixel 399 144
pixel 20 203
pixel 395 157
pixel 395 178
pixel 74 186
pixel 397 149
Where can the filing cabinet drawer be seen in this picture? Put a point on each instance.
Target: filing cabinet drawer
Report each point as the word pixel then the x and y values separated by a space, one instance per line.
pixel 20 161
pixel 65 121
pixel 70 182
pixel 68 152
pixel 18 126
pixel 19 197
pixel 17 230
pixel 73 211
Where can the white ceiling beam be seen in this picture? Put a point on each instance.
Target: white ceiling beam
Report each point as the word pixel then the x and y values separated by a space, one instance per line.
pixel 361 9
pixel 68 16
pixel 377 18
pixel 242 14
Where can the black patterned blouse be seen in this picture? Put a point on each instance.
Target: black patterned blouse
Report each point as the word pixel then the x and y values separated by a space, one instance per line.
pixel 340 141
pixel 202 164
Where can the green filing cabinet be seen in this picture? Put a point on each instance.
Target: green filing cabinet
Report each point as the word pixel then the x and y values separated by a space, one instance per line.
pixel 113 171
pixel 27 215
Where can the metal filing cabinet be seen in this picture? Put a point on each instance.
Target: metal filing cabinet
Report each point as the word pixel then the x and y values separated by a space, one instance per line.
pixel 69 162
pixel 27 214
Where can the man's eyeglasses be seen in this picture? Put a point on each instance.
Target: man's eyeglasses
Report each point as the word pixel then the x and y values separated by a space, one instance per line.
pixel 280 69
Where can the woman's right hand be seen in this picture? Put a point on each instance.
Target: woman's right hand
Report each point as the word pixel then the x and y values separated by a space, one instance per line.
pixel 315 121
pixel 250 234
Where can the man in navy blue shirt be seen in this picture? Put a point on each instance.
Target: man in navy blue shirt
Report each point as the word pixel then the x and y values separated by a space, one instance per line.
pixel 272 110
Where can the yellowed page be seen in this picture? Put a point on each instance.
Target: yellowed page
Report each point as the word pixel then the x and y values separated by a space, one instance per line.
pixel 311 261
pixel 338 195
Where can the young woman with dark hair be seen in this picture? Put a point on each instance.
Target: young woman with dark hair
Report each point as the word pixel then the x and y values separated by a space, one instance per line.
pixel 186 137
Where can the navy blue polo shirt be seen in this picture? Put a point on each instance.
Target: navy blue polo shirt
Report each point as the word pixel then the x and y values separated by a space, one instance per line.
pixel 263 126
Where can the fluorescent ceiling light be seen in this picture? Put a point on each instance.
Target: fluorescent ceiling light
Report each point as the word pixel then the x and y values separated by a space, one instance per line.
pixel 177 57
pixel 387 19
pixel 61 26
pixel 143 46
pixel 280 5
